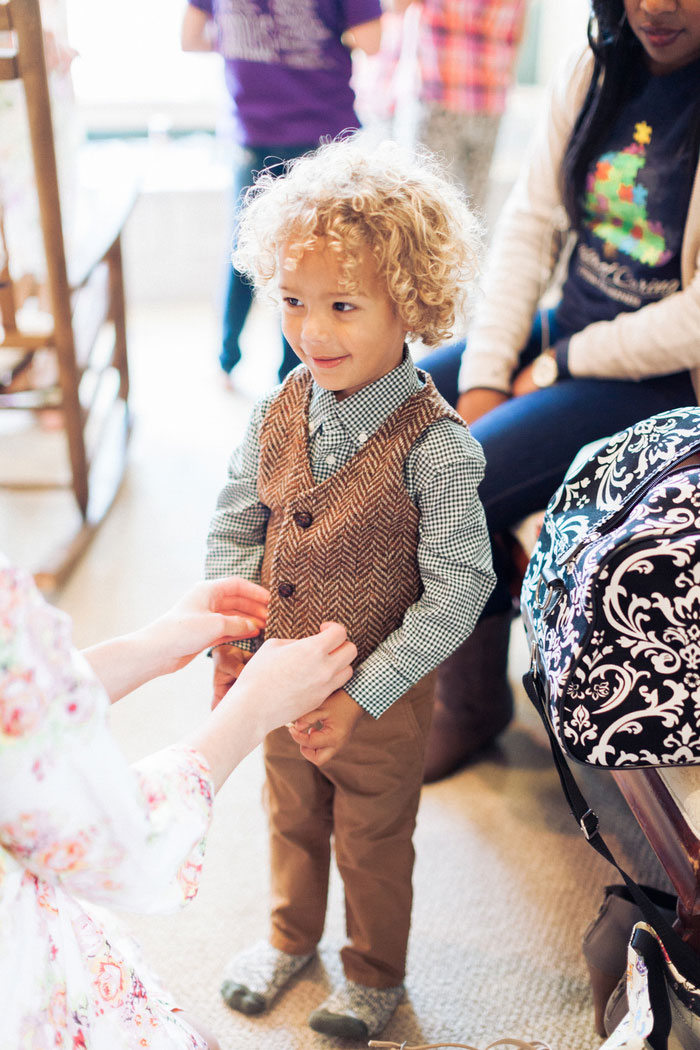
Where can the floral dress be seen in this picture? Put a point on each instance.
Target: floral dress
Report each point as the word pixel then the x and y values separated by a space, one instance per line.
pixel 80 827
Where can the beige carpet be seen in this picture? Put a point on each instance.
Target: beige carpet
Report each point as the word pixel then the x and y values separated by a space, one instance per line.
pixel 504 882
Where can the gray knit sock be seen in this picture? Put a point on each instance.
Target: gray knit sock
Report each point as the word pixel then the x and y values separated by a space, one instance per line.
pixel 354 1011
pixel 254 977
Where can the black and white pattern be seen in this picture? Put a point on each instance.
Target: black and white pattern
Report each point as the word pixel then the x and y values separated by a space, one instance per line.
pixel 611 598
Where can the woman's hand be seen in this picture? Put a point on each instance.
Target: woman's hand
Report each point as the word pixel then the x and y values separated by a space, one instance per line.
pixel 524 383
pixel 214 611
pixel 293 677
pixel 277 685
pixel 477 402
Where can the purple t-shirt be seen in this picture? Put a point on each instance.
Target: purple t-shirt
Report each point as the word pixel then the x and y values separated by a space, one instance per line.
pixel 286 69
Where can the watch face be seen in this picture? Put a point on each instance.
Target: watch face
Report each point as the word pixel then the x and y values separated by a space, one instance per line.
pixel 544 370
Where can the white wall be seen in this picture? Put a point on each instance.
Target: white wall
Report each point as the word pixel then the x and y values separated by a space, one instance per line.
pixel 562 26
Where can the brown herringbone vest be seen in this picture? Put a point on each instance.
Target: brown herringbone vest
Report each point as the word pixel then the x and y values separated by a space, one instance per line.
pixel 344 549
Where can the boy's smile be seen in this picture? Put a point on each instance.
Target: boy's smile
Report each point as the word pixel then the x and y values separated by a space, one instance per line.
pixel 347 340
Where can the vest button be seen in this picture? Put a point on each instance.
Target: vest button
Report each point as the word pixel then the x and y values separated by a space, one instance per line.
pixel 285 590
pixel 303 519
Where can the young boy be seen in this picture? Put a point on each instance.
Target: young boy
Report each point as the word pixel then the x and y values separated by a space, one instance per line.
pixel 353 497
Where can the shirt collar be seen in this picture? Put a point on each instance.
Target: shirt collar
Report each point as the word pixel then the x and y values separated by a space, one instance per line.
pixel 363 413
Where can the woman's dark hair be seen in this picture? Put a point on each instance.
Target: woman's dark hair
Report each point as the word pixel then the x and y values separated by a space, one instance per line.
pixel 618 57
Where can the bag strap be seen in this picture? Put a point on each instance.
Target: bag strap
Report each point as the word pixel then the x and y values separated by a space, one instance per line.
pixel 681 955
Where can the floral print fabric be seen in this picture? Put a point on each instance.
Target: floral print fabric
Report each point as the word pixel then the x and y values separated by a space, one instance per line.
pixel 79 828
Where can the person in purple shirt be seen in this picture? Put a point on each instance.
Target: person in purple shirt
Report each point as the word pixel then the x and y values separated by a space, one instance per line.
pixel 287 66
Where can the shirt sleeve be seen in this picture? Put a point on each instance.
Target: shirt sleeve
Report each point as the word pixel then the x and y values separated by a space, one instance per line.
pixel 73 812
pixel 203 5
pixel 236 541
pixel 443 472
pixel 529 238
pixel 658 339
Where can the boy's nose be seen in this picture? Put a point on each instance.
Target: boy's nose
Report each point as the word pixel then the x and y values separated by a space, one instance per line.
pixel 314 329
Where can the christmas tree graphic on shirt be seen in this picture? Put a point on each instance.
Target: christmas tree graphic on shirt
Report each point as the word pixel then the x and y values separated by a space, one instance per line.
pixel 616 204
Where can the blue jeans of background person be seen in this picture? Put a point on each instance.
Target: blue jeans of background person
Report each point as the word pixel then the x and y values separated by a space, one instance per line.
pixel 530 441
pixel 239 293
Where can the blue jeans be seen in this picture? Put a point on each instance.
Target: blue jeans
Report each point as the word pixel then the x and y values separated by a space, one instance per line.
pixel 239 293
pixel 530 441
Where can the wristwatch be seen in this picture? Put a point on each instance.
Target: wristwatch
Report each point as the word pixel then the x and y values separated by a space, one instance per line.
pixel 545 370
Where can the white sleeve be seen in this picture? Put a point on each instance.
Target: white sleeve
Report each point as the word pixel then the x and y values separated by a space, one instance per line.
pixel 527 241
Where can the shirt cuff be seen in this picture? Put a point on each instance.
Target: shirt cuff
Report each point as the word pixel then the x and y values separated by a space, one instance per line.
pixel 376 688
pixel 482 379
pixel 484 367
pixel 249 645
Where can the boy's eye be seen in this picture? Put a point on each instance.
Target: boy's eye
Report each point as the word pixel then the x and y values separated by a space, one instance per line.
pixel 343 308
pixel 289 300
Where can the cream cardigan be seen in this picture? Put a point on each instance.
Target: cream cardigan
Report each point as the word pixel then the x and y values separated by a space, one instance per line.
pixel 657 339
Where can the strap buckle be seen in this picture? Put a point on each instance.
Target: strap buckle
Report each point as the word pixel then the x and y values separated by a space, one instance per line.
pixel 554 590
pixel 589 824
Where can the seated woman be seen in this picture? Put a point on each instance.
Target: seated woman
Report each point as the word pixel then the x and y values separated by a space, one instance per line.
pixel 612 175
pixel 79 827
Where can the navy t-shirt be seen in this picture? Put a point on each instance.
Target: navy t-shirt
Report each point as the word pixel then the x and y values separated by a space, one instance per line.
pixel 634 205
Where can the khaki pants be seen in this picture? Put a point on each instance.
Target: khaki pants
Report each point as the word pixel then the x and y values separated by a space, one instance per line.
pixel 367 798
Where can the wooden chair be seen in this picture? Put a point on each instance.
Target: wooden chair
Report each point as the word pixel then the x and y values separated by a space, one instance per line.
pixel 86 298
pixel 666 805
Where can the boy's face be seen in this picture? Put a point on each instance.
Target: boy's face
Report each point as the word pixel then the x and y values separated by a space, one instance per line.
pixel 346 340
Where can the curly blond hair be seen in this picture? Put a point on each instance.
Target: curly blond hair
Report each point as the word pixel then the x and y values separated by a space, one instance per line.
pixel 398 204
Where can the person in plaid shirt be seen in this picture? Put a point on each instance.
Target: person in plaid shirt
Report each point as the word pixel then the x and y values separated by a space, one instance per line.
pixel 466 56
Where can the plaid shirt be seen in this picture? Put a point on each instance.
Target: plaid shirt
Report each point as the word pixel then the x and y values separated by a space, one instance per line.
pixel 466 52
pixel 441 474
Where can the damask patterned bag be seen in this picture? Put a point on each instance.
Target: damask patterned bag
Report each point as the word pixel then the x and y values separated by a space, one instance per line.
pixel 611 600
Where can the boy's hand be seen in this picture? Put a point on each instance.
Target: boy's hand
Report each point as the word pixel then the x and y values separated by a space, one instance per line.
pixel 229 661
pixel 322 733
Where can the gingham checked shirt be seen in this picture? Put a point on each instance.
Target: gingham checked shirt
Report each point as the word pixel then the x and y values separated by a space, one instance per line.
pixel 466 52
pixel 441 473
